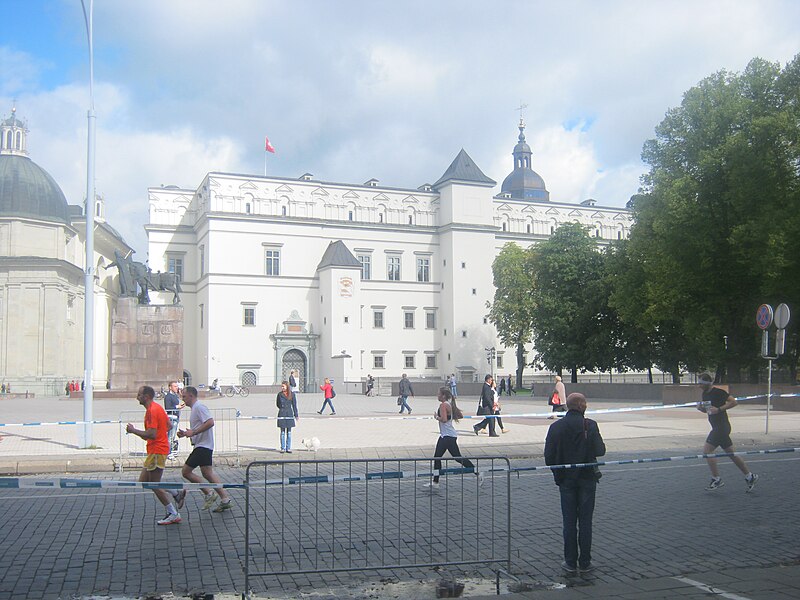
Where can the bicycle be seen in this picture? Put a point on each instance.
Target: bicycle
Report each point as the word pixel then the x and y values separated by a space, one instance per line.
pixel 235 390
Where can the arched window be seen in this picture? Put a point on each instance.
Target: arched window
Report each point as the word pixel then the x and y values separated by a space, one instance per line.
pixel 18 145
pixel 528 228
pixel 505 227
pixel 8 140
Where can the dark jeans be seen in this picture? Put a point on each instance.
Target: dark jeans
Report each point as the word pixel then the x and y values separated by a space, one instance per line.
pixel 449 444
pixel 327 401
pixel 484 423
pixel 577 507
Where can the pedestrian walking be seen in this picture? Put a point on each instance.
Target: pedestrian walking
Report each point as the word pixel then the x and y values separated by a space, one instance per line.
pixel 558 398
pixel 575 440
pixel 173 405
pixel 496 409
pixel 510 386
pixel 405 391
pixel 485 407
pixel 293 382
pixel 329 394
pixel 370 385
pixel 502 387
pixel 286 402
pixel 716 404
pixel 448 413
pixel 154 433
pixel 201 436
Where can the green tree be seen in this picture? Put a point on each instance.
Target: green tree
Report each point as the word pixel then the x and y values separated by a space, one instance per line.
pixel 511 312
pixel 567 292
pixel 716 229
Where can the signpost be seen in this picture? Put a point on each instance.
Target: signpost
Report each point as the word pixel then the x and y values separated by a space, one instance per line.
pixel 765 316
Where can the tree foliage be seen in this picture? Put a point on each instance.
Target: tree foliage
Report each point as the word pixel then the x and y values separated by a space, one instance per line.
pixel 512 310
pixel 716 229
pixel 568 294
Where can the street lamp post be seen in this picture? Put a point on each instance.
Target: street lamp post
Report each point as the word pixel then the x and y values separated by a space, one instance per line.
pixel 88 319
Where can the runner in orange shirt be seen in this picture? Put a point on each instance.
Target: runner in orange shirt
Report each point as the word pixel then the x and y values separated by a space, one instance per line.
pixel 156 425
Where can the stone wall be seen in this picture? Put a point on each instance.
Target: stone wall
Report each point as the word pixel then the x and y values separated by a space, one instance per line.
pixel 146 345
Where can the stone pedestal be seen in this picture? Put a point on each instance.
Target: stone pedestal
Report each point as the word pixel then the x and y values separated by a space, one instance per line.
pixel 146 345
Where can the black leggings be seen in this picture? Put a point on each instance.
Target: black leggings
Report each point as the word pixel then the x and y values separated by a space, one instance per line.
pixel 449 444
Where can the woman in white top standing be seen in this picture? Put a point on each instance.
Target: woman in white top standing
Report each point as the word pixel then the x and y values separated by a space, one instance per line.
pixel 447 413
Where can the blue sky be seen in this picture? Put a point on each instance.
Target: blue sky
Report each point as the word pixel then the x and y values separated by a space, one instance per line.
pixel 353 90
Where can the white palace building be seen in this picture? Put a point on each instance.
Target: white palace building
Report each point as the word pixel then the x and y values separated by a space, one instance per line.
pixel 340 280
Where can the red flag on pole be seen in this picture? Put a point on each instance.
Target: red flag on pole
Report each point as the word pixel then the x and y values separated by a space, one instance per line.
pixel 267 146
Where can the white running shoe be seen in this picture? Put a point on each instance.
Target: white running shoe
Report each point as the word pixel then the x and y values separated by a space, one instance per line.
pixel 170 519
pixel 715 484
pixel 222 507
pixel 481 479
pixel 433 485
pixel 751 482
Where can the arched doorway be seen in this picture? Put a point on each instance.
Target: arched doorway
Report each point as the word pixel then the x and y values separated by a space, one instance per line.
pixel 294 360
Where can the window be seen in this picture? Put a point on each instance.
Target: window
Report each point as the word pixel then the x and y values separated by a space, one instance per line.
pixel 463 265
pixel 175 265
pixel 366 266
pixel 528 227
pixel 499 361
pixel 430 319
pixel 249 316
pixel 474 292
pixel 202 260
pixel 393 268
pixel 410 219
pixel 423 269
pixel 272 266
pixel 430 361
pixel 70 308
pixel 202 315
pixel 346 320
pixel 463 333
pixel 377 361
pixel 504 226
pixel 349 215
pixel 247 207
pixel 283 211
pixel 408 319
pixel 377 319
pixel 409 361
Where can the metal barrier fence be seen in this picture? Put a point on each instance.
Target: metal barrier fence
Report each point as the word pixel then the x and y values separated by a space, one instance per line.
pixel 226 434
pixel 323 516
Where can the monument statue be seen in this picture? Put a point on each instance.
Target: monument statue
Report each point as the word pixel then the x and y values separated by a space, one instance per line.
pixel 135 279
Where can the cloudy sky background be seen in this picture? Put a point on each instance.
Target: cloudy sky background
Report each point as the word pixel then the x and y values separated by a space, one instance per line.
pixel 351 90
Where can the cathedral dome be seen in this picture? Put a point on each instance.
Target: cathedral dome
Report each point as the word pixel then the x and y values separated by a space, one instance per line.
pixel 27 190
pixel 524 183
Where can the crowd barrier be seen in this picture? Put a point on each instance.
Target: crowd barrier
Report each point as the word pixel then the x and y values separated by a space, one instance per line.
pixel 226 435
pixel 323 516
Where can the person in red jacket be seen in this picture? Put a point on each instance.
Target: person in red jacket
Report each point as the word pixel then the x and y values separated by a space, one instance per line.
pixel 327 390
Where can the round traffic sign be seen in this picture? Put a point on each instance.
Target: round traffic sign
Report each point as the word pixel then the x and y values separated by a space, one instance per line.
pixel 782 315
pixel 764 316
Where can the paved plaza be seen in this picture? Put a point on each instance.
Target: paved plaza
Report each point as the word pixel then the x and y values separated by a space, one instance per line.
pixel 657 533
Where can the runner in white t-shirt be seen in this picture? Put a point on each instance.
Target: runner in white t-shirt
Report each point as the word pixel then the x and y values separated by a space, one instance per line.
pixel 201 435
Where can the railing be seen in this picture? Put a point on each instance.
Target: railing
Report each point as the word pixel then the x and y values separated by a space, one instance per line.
pixel 226 434
pixel 322 516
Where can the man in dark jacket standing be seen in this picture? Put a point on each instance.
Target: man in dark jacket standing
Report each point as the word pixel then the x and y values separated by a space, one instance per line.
pixel 487 408
pixel 575 440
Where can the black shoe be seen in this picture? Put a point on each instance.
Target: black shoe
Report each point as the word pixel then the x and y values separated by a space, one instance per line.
pixel 494 435
pixel 475 429
pixel 587 568
pixel 569 569
pixel 319 412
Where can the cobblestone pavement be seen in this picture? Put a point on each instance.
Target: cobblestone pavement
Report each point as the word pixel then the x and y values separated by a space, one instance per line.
pixel 653 523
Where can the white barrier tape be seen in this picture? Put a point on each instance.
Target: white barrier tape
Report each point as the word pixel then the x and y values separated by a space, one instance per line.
pixel 72 483
pixel 600 411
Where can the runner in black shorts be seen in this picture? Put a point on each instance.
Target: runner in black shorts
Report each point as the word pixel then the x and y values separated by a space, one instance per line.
pixel 716 403
pixel 202 438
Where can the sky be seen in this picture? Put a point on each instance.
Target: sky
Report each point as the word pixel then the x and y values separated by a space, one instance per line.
pixel 352 90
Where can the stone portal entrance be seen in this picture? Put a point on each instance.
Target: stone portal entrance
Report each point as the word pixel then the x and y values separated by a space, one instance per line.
pixel 295 346
pixel 294 360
